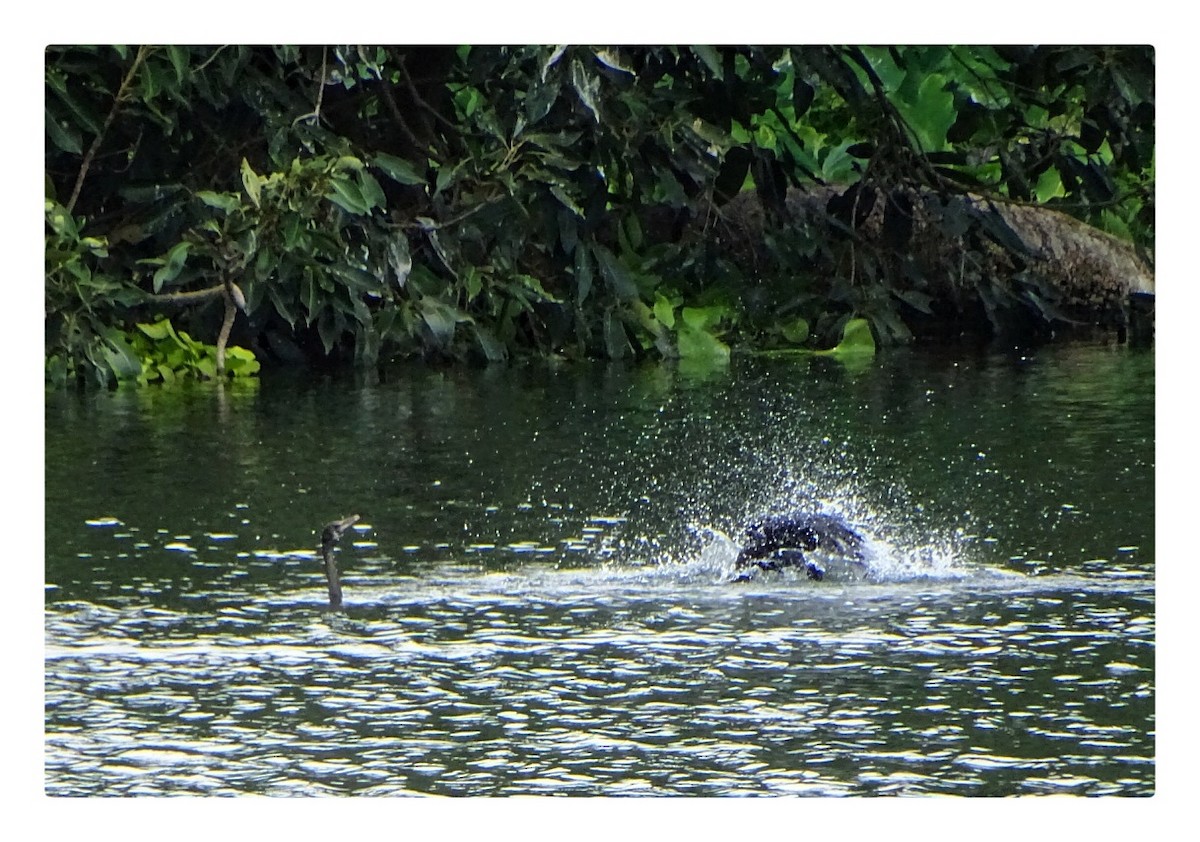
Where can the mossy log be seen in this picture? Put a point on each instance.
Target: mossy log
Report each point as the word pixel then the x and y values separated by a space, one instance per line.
pixel 962 258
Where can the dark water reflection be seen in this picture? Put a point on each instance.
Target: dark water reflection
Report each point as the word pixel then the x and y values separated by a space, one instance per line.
pixel 536 600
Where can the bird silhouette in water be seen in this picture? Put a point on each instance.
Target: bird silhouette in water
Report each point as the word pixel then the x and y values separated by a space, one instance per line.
pixel 330 535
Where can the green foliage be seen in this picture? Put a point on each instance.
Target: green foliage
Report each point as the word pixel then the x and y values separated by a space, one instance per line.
pixel 483 202
pixel 857 341
pixel 164 354
pixel 82 302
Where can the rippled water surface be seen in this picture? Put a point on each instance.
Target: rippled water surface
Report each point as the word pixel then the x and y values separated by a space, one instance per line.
pixel 537 594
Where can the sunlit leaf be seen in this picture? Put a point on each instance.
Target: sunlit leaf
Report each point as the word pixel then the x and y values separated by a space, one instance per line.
pixel 613 59
pixel 664 311
pixel 400 258
pixel 857 340
pixel 693 344
pixel 221 201
pixel 157 331
pixel 587 86
pixel 252 183
pixel 552 60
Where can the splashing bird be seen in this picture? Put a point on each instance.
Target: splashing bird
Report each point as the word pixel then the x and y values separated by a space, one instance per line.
pixel 774 542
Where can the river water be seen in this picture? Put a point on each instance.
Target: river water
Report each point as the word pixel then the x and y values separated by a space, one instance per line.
pixel 537 595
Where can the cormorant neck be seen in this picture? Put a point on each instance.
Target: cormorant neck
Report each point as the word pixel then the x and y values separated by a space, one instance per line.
pixel 331 574
pixel 330 535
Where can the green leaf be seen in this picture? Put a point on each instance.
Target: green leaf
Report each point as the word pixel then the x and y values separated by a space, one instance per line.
pixel 252 183
pixel 916 299
pixel 121 359
pixel 179 59
pixel 310 297
pixel 221 201
pixel 664 311
pixel 347 196
pixel 587 86
pixel 64 137
pixel 397 169
pixel 583 274
pixel 613 59
pixel 1049 186
pixel 61 221
pixel 700 344
pixel 440 319
pixel 795 331
pixel 711 59
pixel 616 274
pixel 158 331
pixel 399 258
pixel 176 258
pixel 372 193
pixel 616 342
pixel 540 99
pixel 857 340
pixel 552 59
pixel 702 318
pixel 493 349
pixel 281 306
pixel 207 367
pixel 329 328
pixel 931 113
pixel 567 202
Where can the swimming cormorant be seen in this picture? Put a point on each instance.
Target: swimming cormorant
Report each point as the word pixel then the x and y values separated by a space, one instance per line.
pixel 330 535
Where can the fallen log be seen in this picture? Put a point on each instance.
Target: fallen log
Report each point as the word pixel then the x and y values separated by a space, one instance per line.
pixel 959 262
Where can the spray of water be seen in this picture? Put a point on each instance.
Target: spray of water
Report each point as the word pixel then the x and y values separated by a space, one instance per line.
pixel 822 477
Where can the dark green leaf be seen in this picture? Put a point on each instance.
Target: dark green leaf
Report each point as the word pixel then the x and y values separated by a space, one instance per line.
pixel 179 60
pixel 372 193
pixel 492 348
pixel 583 275
pixel 614 271
pixel 711 59
pixel 347 196
pixel 398 169
pixel 173 265
pixel 63 136
pixel 616 342
pixel 997 229
pixel 802 96
pixel 732 174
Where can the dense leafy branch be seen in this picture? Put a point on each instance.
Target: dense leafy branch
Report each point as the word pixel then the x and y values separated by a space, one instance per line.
pixel 585 201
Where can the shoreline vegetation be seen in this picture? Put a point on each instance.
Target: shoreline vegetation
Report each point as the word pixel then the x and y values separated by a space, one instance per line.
pixel 213 209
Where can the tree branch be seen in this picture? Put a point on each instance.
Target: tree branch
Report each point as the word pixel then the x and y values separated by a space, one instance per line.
pixel 122 92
